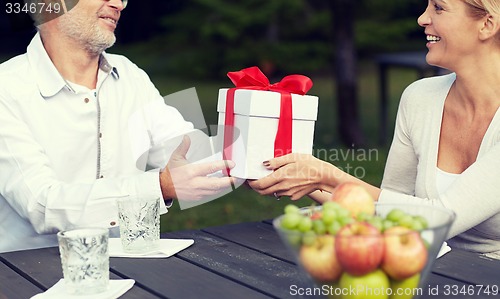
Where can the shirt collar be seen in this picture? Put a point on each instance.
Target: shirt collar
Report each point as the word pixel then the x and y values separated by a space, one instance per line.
pixel 48 78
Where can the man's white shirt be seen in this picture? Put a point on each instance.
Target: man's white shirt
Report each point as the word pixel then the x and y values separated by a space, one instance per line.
pixel 67 152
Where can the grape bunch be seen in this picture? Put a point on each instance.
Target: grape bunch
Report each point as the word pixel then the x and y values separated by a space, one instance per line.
pixel 328 219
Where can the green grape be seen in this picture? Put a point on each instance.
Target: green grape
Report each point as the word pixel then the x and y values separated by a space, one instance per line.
pixel 395 215
pixel 291 220
pixel 416 225
pixel 333 228
pixel 308 238
pixel 294 239
pixel 330 205
pixel 290 208
pixel 363 217
pixel 406 221
pixel 422 220
pixel 305 224
pixel 346 220
pixel 378 222
pixel 343 213
pixel 386 224
pixel 329 216
pixel 319 227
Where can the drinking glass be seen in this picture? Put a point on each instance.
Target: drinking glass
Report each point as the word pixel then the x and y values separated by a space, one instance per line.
pixel 139 223
pixel 85 260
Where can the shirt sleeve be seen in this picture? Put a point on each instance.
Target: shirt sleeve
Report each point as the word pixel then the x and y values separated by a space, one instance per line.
pixel 401 167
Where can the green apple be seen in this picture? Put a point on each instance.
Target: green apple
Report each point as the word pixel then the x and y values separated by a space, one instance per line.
pixel 406 288
pixel 373 285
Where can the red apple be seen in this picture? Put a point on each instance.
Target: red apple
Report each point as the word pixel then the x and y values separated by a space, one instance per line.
pixel 316 215
pixel 405 252
pixel 360 248
pixel 354 198
pixel 320 260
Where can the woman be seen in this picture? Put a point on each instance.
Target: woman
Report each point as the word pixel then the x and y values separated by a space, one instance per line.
pixel 446 146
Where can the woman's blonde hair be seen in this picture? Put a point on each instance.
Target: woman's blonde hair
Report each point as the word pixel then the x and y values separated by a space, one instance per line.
pixel 481 8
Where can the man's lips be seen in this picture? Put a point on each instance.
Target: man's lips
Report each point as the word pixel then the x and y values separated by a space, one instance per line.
pixel 110 18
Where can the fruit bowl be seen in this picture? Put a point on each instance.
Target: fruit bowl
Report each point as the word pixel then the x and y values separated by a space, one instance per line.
pixel 384 254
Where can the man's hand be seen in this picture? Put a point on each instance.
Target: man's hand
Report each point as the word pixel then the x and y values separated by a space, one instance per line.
pixel 185 181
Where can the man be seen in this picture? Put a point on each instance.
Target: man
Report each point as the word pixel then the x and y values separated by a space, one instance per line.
pixel 75 123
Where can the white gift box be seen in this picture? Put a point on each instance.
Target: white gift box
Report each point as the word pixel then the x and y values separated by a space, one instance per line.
pixel 256 117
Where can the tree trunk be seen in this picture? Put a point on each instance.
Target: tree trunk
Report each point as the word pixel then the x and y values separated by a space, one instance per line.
pixel 345 72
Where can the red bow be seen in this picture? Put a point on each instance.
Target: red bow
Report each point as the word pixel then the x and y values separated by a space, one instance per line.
pixel 253 78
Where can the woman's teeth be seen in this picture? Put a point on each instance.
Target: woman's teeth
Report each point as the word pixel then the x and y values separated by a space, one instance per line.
pixel 433 38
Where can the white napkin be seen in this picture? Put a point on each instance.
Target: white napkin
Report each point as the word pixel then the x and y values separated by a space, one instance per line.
pixel 117 287
pixel 444 249
pixel 166 248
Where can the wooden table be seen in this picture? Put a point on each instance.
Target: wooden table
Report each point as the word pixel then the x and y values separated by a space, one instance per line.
pixel 244 260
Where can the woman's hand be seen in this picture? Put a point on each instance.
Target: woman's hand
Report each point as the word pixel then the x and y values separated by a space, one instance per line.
pixel 296 175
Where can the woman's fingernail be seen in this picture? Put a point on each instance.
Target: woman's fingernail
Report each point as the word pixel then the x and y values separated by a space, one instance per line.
pixel 266 163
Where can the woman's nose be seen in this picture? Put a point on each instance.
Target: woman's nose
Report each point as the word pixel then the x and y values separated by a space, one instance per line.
pixel 424 18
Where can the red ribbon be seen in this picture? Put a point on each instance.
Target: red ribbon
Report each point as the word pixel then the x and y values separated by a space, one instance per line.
pixel 252 78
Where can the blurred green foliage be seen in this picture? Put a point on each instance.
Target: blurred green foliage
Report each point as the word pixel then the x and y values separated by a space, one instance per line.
pixel 202 38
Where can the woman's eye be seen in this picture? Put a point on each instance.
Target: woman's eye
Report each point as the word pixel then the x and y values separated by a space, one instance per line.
pixel 437 7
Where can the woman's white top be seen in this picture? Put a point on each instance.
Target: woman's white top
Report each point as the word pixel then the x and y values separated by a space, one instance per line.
pixel 444 180
pixel 410 172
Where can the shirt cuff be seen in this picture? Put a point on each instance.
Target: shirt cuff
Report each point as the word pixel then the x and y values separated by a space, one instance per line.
pixel 149 186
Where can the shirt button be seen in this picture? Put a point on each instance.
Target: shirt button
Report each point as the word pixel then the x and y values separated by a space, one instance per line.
pixel 112 223
pixel 100 135
pixel 86 100
pixel 101 176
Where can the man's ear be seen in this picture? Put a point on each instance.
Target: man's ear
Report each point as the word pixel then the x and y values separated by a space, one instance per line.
pixel 490 27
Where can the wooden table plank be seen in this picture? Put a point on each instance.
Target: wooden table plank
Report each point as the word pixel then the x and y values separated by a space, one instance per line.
pixel 260 236
pixel 13 285
pixel 468 267
pixel 176 278
pixel 43 266
pixel 246 266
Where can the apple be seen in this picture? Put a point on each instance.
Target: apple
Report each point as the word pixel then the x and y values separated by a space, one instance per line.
pixel 373 285
pixel 359 247
pixel 316 216
pixel 406 288
pixel 354 198
pixel 405 252
pixel 319 259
